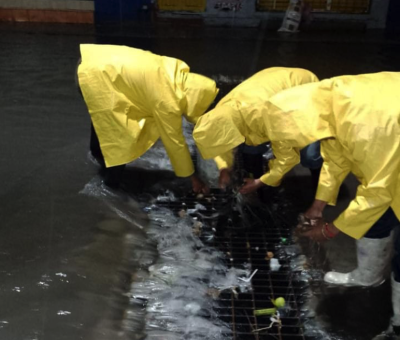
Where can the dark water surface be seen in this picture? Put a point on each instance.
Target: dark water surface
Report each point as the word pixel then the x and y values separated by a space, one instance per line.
pixel 65 257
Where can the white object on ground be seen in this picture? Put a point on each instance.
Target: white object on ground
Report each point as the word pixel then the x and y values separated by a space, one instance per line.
pixel 274 264
pixel 248 279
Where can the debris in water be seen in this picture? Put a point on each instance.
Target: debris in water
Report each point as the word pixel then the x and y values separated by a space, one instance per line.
pixel 63 312
pixel 275 319
pixel 167 197
pixel 197 228
pixel 214 293
pixel 200 207
pixel 279 302
pixel 249 278
pixel 61 274
pixel 269 256
pixel 266 311
pixel 274 264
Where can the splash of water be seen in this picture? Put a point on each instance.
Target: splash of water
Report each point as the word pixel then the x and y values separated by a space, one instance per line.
pixel 179 290
pixel 173 297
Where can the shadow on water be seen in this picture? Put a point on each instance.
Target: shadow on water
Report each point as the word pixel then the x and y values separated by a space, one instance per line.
pixel 120 249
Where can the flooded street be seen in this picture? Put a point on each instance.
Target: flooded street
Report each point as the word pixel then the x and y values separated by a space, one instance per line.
pixel 74 256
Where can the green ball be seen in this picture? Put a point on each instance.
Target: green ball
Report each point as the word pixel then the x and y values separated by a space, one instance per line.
pixel 280 302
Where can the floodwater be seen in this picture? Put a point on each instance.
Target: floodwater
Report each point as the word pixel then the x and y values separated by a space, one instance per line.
pixel 69 249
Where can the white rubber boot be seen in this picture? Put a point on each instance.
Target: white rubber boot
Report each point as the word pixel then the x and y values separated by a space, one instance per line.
pixel 373 257
pixel 396 305
pixel 393 332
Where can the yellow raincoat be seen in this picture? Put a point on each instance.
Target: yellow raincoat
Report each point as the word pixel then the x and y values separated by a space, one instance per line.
pixel 135 97
pixel 239 118
pixel 358 120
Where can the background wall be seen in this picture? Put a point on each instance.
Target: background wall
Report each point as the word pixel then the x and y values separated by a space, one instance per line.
pixel 370 13
pixel 62 11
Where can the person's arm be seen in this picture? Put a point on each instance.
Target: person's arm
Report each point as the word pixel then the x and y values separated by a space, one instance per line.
pixel 170 128
pixel 224 164
pixel 169 125
pixel 379 161
pixel 224 161
pixel 334 171
pixel 286 157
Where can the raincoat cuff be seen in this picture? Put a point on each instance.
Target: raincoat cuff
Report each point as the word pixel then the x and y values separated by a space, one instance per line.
pixel 224 162
pixel 326 195
pixel 184 171
pixel 269 179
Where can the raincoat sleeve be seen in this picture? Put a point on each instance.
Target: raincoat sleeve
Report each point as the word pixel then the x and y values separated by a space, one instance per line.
pixel 286 157
pixel 334 170
pixel 379 162
pixel 224 161
pixel 169 124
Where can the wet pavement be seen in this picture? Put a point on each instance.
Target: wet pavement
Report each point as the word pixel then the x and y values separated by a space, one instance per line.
pixel 66 257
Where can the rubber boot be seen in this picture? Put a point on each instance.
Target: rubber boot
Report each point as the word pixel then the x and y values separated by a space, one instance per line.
pixel 393 332
pixel 373 258
pixel 396 306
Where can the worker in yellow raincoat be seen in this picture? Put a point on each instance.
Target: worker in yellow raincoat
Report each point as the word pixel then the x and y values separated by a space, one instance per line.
pixel 243 109
pixel 357 120
pixel 135 97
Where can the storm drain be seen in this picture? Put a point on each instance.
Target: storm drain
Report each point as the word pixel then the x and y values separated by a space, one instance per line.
pixel 250 235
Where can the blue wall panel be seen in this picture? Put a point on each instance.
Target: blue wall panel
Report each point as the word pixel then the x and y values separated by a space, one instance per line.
pixel 114 11
pixel 393 18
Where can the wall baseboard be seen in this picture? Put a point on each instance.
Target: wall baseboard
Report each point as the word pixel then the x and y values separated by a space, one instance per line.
pixel 46 15
pixel 65 5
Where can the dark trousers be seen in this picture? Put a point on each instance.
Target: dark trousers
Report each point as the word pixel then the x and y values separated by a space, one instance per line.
pixel 112 175
pixel 381 229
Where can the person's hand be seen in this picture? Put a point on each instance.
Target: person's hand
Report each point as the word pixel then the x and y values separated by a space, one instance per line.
pixel 199 187
pixel 224 178
pixel 250 186
pixel 316 209
pixel 318 232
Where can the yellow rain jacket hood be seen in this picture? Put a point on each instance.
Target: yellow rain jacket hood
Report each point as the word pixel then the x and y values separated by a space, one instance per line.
pixel 240 117
pixel 135 97
pixel 200 92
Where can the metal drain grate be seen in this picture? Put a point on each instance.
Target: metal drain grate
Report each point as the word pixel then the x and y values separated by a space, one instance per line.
pixel 245 234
